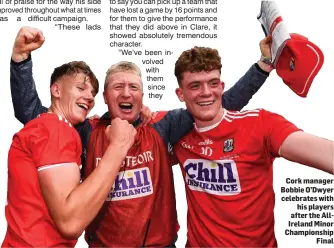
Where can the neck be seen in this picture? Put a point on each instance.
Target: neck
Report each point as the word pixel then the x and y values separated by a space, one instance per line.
pixel 135 123
pixel 216 120
pixel 56 110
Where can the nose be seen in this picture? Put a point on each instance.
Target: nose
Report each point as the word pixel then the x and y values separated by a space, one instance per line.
pixel 126 91
pixel 206 90
pixel 89 96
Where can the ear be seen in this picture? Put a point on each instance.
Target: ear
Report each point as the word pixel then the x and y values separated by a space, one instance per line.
pixel 223 84
pixel 55 90
pixel 104 97
pixel 179 94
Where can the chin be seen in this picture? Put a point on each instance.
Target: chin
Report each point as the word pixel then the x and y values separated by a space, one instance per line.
pixel 78 120
pixel 205 117
pixel 131 117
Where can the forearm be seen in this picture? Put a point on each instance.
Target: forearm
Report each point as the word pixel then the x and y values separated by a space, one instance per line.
pixel 26 102
pixel 309 150
pixel 85 201
pixel 173 125
pixel 242 92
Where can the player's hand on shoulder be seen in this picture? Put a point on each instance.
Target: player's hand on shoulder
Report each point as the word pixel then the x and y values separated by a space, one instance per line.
pixel 27 40
pixel 147 115
pixel 94 117
pixel 121 133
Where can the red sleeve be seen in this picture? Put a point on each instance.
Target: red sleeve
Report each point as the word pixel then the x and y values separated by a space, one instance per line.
pixel 159 116
pixel 55 143
pixel 94 122
pixel 276 129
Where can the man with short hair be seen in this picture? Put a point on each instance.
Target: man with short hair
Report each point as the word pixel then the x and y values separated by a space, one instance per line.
pixel 227 159
pixel 124 77
pixel 140 208
pixel 47 206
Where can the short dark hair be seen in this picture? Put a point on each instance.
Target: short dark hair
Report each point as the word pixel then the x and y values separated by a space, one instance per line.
pixel 197 59
pixel 75 67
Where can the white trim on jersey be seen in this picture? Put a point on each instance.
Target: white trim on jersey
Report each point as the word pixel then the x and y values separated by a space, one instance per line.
pixel 240 115
pixel 45 167
pixel 204 129
pixel 65 120
pixel 247 111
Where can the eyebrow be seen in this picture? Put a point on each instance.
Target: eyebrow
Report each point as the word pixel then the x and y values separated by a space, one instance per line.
pixel 214 79
pixel 195 82
pixel 211 80
pixel 85 83
pixel 128 83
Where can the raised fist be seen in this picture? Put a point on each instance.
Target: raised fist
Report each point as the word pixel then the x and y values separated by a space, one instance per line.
pixel 120 133
pixel 27 40
pixel 265 45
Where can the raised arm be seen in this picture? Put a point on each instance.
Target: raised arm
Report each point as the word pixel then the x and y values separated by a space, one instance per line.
pixel 240 94
pixel 26 102
pixel 309 150
pixel 282 138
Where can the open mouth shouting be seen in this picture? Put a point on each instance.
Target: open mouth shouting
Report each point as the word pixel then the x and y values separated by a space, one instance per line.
pixel 126 107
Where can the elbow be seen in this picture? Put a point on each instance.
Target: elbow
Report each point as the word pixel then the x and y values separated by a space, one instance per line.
pixel 20 118
pixel 70 230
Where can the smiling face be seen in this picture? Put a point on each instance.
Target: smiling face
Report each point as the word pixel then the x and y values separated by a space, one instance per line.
pixel 198 73
pixel 73 89
pixel 76 97
pixel 73 97
pixel 123 94
pixel 202 92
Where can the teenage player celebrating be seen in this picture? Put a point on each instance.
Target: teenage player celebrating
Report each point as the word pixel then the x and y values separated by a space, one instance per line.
pixel 47 205
pixel 227 160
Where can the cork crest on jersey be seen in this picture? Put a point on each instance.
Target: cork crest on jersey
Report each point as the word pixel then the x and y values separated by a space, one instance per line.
pixel 228 145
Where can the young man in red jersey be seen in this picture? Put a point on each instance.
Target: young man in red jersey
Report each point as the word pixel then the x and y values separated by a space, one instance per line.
pixel 47 206
pixel 227 159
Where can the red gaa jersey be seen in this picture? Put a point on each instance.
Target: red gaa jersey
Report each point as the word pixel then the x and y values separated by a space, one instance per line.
pixel 45 142
pixel 140 209
pixel 227 170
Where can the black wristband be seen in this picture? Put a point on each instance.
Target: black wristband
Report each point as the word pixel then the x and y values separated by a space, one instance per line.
pixel 21 62
pixel 259 68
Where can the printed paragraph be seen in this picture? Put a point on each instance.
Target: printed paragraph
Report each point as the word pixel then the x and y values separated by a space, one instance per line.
pixel 133 22
pixel 66 15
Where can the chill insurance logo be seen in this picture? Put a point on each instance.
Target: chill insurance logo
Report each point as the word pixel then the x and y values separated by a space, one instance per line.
pixel 219 177
pixel 131 184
